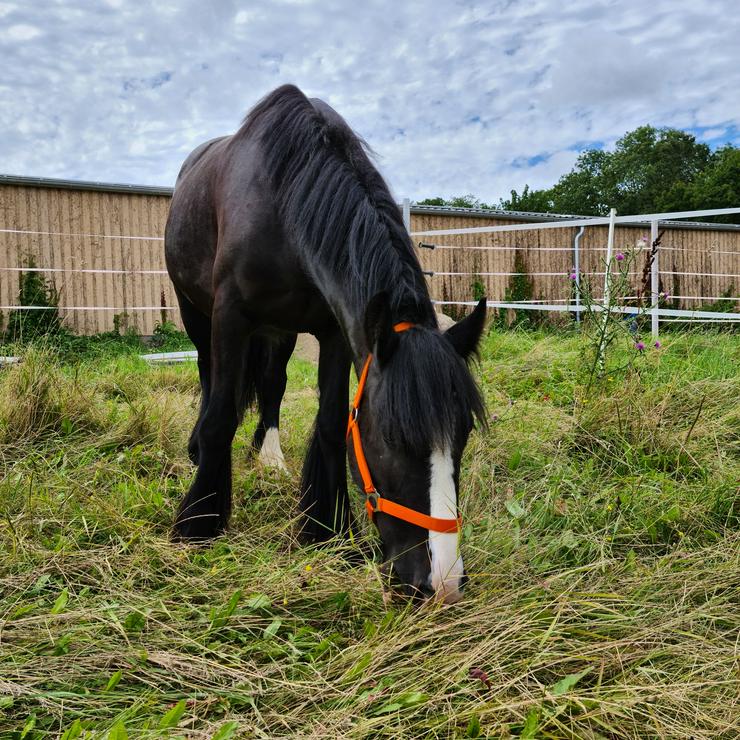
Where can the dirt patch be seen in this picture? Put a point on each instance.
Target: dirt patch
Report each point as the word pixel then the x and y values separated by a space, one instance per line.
pixel 307 348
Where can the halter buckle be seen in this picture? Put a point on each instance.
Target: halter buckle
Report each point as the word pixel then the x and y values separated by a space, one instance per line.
pixel 372 500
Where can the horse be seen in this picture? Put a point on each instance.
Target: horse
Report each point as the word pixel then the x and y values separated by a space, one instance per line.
pixel 286 226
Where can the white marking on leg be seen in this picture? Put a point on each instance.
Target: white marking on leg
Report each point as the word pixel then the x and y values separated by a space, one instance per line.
pixel 270 453
pixel 447 565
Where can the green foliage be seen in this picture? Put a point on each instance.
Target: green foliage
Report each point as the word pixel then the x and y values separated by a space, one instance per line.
pixel 612 336
pixel 520 288
pixel 70 347
pixel 458 201
pixel 26 324
pixel 716 186
pixel 530 201
pixel 650 170
pixel 168 338
pixel 478 288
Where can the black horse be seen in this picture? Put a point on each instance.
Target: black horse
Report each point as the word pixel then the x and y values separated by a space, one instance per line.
pixel 287 227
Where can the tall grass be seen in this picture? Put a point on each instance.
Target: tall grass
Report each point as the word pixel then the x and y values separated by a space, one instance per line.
pixel 601 539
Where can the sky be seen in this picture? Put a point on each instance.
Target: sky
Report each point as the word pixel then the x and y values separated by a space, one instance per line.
pixel 453 97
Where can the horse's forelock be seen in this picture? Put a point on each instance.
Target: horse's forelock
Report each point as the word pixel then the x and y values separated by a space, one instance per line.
pixel 425 395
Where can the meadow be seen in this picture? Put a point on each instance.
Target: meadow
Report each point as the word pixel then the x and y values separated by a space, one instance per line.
pixel 601 537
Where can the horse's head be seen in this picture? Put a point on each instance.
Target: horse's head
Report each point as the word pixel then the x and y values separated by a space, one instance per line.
pixel 418 408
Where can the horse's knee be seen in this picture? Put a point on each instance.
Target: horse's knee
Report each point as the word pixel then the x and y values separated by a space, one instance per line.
pixel 215 432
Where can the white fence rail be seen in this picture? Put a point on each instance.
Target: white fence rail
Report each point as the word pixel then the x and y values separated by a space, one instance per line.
pixel 575 305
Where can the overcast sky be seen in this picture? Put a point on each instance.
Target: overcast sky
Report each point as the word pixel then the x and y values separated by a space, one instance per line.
pixel 455 97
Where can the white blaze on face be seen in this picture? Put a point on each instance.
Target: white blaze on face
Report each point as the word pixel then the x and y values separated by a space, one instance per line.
pixel 270 453
pixel 447 565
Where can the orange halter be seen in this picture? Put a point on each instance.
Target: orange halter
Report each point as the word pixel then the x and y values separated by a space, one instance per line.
pixel 374 501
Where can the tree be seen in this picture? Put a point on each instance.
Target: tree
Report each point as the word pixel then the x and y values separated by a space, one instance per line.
pixel 646 165
pixel 457 201
pixel 718 186
pixel 532 201
pixel 582 190
pixel 650 170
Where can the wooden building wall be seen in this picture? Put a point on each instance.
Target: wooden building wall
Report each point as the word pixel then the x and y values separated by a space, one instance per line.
pixel 85 217
pixel 92 230
pixel 547 258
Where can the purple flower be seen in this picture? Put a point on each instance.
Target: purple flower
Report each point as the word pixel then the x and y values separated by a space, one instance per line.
pixel 573 276
pixel 639 346
pixel 619 256
pixel 657 345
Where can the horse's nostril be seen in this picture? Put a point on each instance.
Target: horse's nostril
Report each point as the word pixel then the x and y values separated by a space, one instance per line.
pixel 463 581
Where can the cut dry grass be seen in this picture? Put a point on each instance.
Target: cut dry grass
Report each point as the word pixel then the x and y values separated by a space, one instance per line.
pixel 602 540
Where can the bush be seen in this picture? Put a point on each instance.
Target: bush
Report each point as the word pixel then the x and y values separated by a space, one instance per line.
pixel 35 290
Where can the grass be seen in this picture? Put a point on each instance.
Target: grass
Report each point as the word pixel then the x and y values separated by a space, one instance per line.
pixel 602 540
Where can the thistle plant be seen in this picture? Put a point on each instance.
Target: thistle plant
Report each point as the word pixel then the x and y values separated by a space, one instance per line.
pixel 605 323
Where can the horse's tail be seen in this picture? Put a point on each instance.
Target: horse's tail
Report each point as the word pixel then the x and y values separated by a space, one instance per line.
pixel 265 379
pixel 259 354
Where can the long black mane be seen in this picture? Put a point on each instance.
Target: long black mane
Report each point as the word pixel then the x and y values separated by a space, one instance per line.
pixel 336 204
pixel 339 209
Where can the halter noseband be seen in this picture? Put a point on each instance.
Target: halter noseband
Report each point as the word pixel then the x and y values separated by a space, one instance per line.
pixel 374 501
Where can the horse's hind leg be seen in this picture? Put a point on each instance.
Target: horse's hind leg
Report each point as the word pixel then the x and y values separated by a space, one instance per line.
pixel 198 328
pixel 270 390
pixel 324 499
pixel 205 510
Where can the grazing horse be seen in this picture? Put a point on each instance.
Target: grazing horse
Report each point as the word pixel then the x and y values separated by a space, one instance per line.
pixel 287 227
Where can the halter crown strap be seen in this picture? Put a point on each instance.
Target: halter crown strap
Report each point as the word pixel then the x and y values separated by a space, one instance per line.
pixel 374 501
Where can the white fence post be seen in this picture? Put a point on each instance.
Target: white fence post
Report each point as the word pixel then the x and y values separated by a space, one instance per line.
pixel 407 213
pixel 577 270
pixel 654 282
pixel 607 288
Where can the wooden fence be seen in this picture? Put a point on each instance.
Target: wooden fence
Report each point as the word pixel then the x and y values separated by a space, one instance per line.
pixel 101 246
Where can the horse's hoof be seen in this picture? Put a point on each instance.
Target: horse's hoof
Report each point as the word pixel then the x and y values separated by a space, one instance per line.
pixel 274 464
pixel 197 530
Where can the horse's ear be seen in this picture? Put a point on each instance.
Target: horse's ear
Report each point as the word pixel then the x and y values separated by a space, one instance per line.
pixel 465 335
pixel 381 338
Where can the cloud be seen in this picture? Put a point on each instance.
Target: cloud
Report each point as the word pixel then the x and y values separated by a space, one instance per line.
pixel 458 97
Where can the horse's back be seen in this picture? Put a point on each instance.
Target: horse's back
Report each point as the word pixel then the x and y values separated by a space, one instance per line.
pixel 190 237
pixel 224 235
pixel 201 155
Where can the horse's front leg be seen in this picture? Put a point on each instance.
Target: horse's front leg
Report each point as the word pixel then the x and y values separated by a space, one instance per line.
pixel 324 500
pixel 205 510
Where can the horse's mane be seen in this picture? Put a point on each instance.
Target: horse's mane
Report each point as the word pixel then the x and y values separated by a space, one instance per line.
pixel 336 204
pixel 339 210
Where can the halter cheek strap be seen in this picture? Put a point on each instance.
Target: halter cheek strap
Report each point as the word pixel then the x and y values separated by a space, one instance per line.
pixel 374 501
